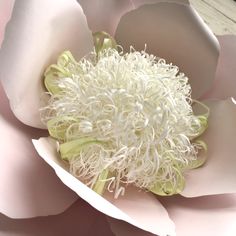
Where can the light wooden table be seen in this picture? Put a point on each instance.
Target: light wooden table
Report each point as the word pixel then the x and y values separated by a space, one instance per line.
pixel 220 15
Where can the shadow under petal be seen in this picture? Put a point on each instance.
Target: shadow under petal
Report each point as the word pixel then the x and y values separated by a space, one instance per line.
pixel 79 219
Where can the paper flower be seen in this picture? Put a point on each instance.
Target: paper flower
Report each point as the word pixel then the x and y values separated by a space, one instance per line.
pixel 37 33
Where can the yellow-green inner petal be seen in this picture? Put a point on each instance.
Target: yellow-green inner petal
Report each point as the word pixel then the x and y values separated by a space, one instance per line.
pixel 202 157
pixel 168 188
pixel 101 182
pixel 72 149
pixel 66 67
pixel 103 41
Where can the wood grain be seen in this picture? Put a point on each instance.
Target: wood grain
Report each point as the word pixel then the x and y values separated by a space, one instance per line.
pixel 220 15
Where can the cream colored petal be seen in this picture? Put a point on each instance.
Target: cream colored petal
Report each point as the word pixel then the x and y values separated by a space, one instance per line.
pixel 138 208
pixel 203 216
pixel 177 33
pixel 28 187
pixel 225 82
pixel 103 15
pixel 79 220
pixel 218 175
pixel 37 33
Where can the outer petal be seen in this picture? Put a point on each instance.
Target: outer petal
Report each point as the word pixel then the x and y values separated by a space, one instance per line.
pixel 79 219
pixel 5 12
pixel 177 33
pixel 138 3
pixel 210 216
pixel 121 228
pixel 28 187
pixel 225 83
pixel 36 34
pixel 103 15
pixel 141 209
pixel 218 175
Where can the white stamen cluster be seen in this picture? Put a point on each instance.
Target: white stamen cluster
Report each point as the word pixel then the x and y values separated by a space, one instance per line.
pixel 139 107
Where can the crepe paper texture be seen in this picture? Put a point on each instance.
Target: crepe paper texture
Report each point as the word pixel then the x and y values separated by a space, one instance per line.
pixel 36 34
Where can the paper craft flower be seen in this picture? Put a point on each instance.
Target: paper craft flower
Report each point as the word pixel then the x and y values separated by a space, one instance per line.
pixel 35 36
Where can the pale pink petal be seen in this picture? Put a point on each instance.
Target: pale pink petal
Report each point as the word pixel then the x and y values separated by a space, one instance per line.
pixel 225 82
pixel 208 215
pixel 203 216
pixel 138 208
pixel 177 33
pixel 5 13
pixel 79 220
pixel 218 175
pixel 138 3
pixel 28 187
pixel 103 15
pixel 36 34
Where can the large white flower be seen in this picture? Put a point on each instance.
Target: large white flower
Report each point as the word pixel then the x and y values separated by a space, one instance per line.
pixel 36 34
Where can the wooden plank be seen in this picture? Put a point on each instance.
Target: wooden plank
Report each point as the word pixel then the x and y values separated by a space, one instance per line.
pixel 216 15
pixel 226 7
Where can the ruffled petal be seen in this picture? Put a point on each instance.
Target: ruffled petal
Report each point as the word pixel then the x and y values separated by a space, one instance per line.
pixel 209 215
pixel 138 208
pixel 218 174
pixel 36 34
pixel 177 33
pixel 28 187
pixel 5 13
pixel 103 15
pixel 225 82
pixel 79 219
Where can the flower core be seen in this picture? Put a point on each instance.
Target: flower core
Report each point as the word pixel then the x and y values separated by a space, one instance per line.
pixel 124 118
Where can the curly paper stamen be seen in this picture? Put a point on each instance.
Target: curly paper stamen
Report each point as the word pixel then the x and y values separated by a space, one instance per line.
pixel 124 119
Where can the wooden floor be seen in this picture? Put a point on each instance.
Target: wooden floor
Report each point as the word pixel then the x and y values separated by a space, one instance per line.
pixel 220 15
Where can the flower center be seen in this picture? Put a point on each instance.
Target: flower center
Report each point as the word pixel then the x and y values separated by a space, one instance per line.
pixel 124 118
